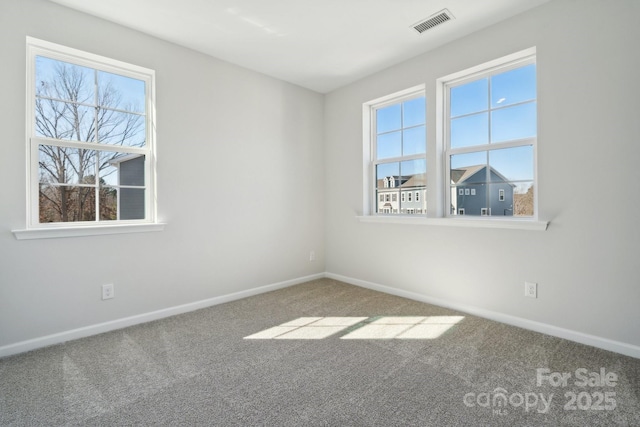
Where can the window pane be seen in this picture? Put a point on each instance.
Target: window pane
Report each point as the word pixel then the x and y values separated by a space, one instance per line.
pixel 469 98
pixel 414 112
pixel 108 171
pixel 500 198
pixel 387 180
pixel 119 169
pixel 66 165
pixel 389 145
pixel 468 183
pixel 469 160
pixel 513 122
pixel 131 203
pixel 477 189
pixel 66 203
pixel 413 173
pixel 62 120
pixel 470 130
pixel 390 171
pixel 413 181
pixel 64 81
pixel 117 128
pixel 389 118
pixel 413 141
pixel 108 203
pixel 513 164
pixel 120 92
pixel 523 203
pixel 513 86
pixel 469 197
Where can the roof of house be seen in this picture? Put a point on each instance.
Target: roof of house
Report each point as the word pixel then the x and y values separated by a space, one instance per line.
pixel 460 175
pixel 404 182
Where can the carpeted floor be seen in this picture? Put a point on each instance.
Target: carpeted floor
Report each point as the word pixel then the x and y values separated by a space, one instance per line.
pixel 374 360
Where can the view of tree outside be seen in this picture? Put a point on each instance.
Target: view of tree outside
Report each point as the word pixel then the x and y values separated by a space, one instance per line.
pixel 76 105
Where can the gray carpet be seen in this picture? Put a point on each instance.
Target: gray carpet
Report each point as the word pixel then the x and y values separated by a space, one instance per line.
pixel 197 369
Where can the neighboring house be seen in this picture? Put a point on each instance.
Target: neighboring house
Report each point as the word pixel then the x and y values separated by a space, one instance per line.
pixel 130 173
pixel 476 192
pixel 402 194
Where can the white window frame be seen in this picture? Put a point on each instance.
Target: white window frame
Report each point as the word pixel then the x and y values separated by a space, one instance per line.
pixel 369 143
pixel 437 191
pixel 35 229
pixel 507 63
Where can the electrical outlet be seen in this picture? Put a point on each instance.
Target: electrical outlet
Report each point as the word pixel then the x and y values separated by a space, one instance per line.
pixel 531 289
pixel 107 291
pixel 312 256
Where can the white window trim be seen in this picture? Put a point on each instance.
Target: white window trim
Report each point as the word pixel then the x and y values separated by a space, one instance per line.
pixel 59 232
pixel 35 229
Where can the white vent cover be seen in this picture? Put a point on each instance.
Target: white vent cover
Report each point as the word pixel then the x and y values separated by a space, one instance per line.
pixel 436 19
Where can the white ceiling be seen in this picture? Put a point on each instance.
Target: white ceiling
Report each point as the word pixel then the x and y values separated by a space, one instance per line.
pixel 317 44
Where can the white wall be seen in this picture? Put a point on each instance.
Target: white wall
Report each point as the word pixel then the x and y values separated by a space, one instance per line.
pixel 240 185
pixel 586 263
pixel 253 173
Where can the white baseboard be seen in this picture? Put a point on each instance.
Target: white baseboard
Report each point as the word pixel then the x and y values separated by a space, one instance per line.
pixel 599 342
pixel 32 344
pixel 582 338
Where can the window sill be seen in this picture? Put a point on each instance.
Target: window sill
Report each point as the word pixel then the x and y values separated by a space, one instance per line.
pixel 515 224
pixel 58 232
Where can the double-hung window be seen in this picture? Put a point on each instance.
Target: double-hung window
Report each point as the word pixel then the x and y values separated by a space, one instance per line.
pixel 483 161
pixel 490 128
pixel 398 153
pixel 90 139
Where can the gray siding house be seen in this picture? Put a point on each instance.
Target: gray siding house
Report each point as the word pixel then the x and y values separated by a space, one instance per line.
pixel 476 190
pixel 130 173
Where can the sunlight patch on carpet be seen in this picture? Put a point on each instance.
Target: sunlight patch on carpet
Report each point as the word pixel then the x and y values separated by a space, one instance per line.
pixel 379 327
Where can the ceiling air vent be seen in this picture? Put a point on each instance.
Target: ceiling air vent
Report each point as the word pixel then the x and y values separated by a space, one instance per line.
pixel 436 19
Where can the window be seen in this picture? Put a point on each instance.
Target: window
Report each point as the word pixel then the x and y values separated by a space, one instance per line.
pixel 490 128
pixel 398 144
pixel 90 139
pixel 484 160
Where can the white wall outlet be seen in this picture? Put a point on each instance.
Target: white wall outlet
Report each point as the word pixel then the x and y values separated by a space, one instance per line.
pixel 107 291
pixel 312 256
pixel 531 289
